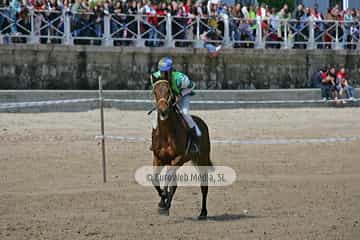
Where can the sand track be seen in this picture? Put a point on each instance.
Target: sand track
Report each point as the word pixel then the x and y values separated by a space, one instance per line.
pixel 50 181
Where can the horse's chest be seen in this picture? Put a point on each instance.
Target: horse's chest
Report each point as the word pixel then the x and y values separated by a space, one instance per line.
pixel 167 150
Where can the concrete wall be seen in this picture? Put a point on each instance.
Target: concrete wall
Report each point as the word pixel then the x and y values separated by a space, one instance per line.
pixel 77 67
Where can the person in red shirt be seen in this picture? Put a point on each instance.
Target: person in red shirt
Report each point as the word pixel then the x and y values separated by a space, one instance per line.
pixel 343 84
pixel 161 13
pixel 152 23
pixel 325 84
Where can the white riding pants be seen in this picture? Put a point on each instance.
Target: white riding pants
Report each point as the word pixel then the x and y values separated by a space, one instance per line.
pixel 185 112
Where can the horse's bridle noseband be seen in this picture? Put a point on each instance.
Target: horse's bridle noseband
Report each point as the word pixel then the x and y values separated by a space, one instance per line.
pixel 167 101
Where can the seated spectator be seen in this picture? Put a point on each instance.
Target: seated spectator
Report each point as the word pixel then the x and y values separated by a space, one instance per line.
pixel 331 79
pixel 316 79
pixel 343 84
pixel 326 83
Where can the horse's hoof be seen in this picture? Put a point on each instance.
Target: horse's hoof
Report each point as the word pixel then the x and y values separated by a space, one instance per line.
pixel 203 215
pixel 164 211
pixel 162 205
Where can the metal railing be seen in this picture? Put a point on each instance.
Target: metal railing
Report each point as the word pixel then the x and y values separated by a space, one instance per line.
pixel 65 27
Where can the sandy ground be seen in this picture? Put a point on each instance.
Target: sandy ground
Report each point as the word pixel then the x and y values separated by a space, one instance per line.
pixel 51 185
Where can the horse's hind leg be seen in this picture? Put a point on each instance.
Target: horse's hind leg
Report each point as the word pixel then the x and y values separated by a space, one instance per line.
pixel 204 192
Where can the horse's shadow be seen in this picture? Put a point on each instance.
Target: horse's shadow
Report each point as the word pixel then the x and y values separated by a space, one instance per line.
pixel 230 217
pixel 219 218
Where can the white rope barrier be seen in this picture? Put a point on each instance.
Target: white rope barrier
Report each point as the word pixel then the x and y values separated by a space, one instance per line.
pixel 44 103
pixel 234 101
pixel 128 100
pixel 67 101
pixel 249 141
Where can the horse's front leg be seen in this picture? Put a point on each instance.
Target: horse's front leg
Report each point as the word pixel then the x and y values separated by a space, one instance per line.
pixel 170 182
pixel 157 167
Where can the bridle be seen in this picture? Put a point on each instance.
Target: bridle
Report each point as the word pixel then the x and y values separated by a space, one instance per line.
pixel 169 99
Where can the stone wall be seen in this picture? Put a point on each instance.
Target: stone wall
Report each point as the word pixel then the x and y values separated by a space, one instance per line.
pixel 77 67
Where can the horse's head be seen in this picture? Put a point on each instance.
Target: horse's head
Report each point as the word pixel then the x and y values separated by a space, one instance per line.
pixel 163 96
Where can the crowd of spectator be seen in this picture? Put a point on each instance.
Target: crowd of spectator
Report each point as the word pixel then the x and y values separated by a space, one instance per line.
pixel 87 21
pixel 334 84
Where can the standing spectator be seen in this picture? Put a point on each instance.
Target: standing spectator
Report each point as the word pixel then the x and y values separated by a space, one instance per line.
pixel 237 16
pixel 53 17
pixel 245 12
pixel 4 12
pixel 318 25
pixel 213 5
pixel 198 9
pixel 133 25
pixel 152 22
pixel 330 35
pixel 39 6
pixel 182 23
pixel 252 20
pixel 118 25
pixel 65 5
pixel 261 12
pixel 348 22
pixel 98 18
pixel 15 8
pixel 75 7
pixel 161 12
pixel 299 13
pixel 304 29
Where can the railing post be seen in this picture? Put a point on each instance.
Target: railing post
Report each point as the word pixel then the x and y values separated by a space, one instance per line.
pixel 68 40
pixel 108 42
pixel 286 44
pixel 311 43
pixel 259 38
pixel 34 39
pixel 103 151
pixel 139 41
pixel 198 42
pixel 227 42
pixel 169 43
pixel 1 35
pixel 48 23
pixel 337 43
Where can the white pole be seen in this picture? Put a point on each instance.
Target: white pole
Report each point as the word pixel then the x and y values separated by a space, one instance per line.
pixel 345 4
pixel 101 101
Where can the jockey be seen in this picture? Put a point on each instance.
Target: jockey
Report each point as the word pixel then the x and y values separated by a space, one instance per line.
pixel 182 87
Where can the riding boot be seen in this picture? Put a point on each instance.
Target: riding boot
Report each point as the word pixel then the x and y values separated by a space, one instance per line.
pixel 195 148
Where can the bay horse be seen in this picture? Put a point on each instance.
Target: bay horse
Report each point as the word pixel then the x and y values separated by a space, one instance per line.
pixel 170 145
